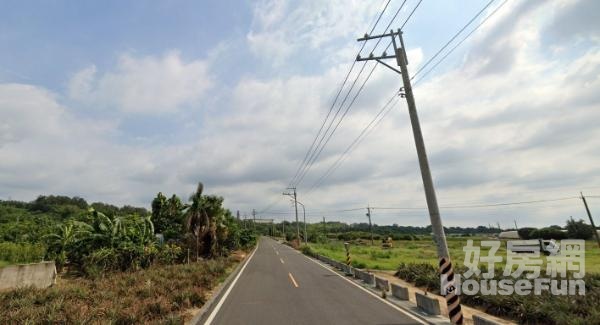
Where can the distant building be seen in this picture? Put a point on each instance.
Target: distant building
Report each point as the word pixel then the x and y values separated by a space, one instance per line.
pixel 513 234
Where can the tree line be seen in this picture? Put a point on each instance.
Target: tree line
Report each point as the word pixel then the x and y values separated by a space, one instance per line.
pixel 96 238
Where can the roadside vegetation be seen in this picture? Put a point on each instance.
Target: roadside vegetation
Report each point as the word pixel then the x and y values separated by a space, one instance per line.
pixel 159 294
pixel 121 265
pixel 414 259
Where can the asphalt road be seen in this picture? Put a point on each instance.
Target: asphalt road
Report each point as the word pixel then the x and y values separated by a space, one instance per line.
pixel 279 285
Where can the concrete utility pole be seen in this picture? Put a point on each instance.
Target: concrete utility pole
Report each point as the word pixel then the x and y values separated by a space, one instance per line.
pixel 587 209
pixel 296 208
pixel 516 227
pixel 254 218
pixel 370 226
pixel 446 271
pixel 304 216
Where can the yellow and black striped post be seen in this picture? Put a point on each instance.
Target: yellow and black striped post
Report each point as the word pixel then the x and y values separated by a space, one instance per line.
pixel 347 247
pixel 448 290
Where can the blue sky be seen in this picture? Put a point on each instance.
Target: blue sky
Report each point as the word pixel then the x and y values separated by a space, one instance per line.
pixel 118 100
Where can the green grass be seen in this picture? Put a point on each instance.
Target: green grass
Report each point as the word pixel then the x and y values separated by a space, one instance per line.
pixel 424 251
pixel 4 263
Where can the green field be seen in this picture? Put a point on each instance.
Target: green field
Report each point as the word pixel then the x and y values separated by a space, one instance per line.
pixel 4 263
pixel 420 251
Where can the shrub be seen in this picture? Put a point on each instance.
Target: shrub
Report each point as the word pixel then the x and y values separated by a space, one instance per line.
pixel 547 233
pixel 358 265
pixel 307 250
pixel 525 232
pixel 22 253
pixel 579 229
pixel 169 254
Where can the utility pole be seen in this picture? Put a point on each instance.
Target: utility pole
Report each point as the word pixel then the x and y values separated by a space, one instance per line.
pixel 587 209
pixel 296 208
pixel 304 218
pixel 447 273
pixel 370 226
pixel 516 227
pixel 324 227
pixel 498 224
pixel 254 218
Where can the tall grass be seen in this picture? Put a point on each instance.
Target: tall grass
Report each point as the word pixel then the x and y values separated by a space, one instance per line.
pixel 159 294
pixel 21 252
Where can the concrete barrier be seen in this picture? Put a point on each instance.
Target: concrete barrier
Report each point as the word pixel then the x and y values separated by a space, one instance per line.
pixel 382 284
pixel 480 320
pixel 428 304
pixel 399 292
pixel 347 269
pixel 39 275
pixel 366 277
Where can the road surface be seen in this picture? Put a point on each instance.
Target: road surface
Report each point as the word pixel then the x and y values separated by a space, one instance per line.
pixel 279 285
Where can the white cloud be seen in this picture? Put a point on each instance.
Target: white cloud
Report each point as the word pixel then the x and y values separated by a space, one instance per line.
pixel 511 123
pixel 145 85
pixel 282 29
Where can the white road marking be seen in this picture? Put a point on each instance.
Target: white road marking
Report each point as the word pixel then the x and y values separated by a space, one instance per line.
pixel 367 291
pixel 293 280
pixel 218 306
pixel 281 261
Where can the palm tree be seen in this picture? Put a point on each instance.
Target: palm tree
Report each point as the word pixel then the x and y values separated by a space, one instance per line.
pixel 198 223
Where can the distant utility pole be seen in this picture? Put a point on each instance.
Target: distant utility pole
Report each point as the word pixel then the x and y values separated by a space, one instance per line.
pixel 304 218
pixel 499 229
pixel 238 215
pixel 254 218
pixel 587 209
pixel 370 226
pixel 293 195
pixel 324 227
pixel 447 274
pixel 516 227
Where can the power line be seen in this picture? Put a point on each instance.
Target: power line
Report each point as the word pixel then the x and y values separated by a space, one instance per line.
pixel 312 160
pixel 336 98
pixel 337 125
pixel 363 134
pixel 314 156
pixel 483 205
pixel 459 43
pixel 410 15
pixel 452 39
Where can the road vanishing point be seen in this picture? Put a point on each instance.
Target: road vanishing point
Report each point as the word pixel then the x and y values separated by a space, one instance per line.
pixel 279 285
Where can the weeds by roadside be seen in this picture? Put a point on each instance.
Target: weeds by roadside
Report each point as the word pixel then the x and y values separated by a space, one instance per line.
pixel 158 294
pixel 527 309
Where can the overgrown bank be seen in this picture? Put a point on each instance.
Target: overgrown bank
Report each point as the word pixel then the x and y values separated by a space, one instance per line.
pixel 159 294
pixel 527 309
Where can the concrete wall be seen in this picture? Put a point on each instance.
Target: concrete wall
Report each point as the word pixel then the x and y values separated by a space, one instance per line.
pixel 39 275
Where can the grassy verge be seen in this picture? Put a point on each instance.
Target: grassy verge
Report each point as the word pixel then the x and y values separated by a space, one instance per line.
pixel 527 309
pixel 416 262
pixel 424 251
pixel 154 295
